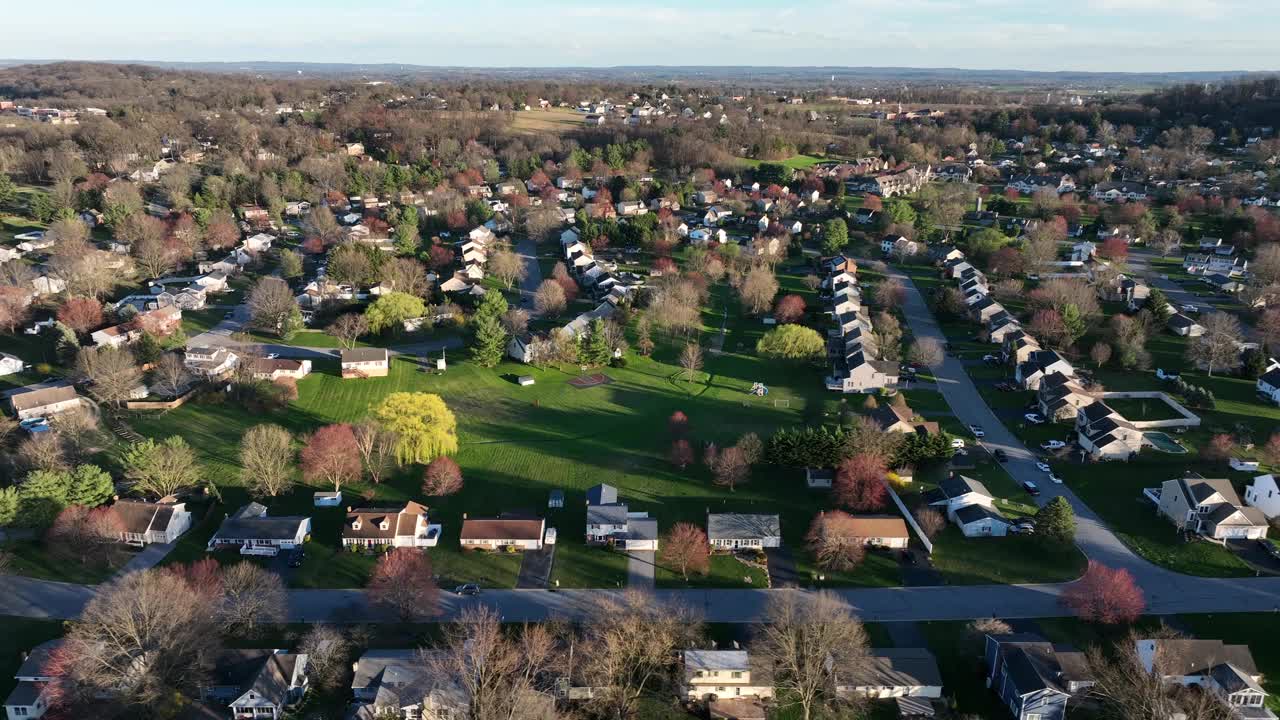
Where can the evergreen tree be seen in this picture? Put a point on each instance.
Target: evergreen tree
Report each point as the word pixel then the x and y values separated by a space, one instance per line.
pixel 90 486
pixel 41 497
pixel 595 347
pixel 1056 521
pixel 490 340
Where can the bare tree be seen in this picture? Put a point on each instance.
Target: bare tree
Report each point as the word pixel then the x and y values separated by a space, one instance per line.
pixel 251 596
pixel 686 547
pixel 86 534
pixel 516 321
pixel 931 521
pixel 111 371
pixel 803 638
pixel 507 266
pixel 327 649
pixel 758 288
pixel 406 275
pixel 730 468
pixel 140 638
pixel 402 581
pixel 377 448
pixel 79 433
pixel 348 328
pixel 498 671
pixel 833 543
pixel 266 454
pixel 691 360
pixel 549 299
pixel 271 303
pixel 1129 689
pixel 1167 241
pixel 1219 347
pixel 629 644
pixel 42 451
pixel 927 351
pixel 169 375
pixel 890 293
pixel 888 333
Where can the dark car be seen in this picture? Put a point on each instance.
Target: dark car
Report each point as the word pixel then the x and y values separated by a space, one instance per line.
pixel 1031 488
pixel 468 589
pixel 1001 456
pixel 228 315
pixel 1269 548
pixel 296 557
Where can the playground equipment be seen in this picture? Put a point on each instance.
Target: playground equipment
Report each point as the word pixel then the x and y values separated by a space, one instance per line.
pixel 758 389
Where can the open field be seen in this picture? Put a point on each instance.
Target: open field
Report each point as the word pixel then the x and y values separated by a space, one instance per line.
pixel 552 120
pixel 795 162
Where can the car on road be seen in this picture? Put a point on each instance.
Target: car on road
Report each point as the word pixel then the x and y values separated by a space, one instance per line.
pixel 1189 309
pixel 1053 445
pixel 1031 488
pixel 1034 418
pixel 228 315
pixel 1033 276
pixel 1055 479
pixel 957 443
pixel 1044 467
pixel 468 589
pixel 977 431
pixel 272 356
pixel 1000 455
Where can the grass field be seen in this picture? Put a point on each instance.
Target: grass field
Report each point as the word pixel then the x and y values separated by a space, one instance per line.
pixel 1142 409
pixel 552 120
pixel 795 162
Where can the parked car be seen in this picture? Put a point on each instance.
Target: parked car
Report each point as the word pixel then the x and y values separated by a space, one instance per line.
pixel 468 589
pixel 1162 375
pixel 1269 548
pixel 1034 418
pixel 1023 527
pixel 977 431
pixel 30 424
pixel 1000 455
pixel 1044 467
pixel 1053 445
pixel 957 443
pixel 1055 479
pixel 1031 488
pixel 1189 309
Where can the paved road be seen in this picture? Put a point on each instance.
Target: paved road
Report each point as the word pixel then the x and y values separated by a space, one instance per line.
pixel 527 249
pixel 1139 262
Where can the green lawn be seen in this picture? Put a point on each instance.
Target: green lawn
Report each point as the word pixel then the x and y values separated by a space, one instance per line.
pixel 31 558
pixel 19 636
pixel 795 162
pixel 195 322
pixel 519 443
pixel 726 571
pixel 1008 560
pixel 1142 409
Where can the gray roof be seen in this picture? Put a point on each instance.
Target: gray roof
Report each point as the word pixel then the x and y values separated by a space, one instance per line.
pixel 896 667
pixel 716 660
pixel 393 666
pixel 615 514
pixel 642 529
pixel 975 513
pixel 363 355
pixel 602 495
pixel 40 397
pixel 35 666
pixel 958 485
pixel 246 524
pixel 729 526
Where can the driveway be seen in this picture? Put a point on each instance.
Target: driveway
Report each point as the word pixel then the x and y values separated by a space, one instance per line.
pixel 782 568
pixel 535 568
pixel 527 249
pixel 1254 556
pixel 640 567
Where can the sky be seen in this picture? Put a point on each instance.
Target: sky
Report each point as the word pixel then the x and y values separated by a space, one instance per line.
pixel 1092 35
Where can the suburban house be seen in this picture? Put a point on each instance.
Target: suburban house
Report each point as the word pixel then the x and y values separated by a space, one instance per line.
pixel 893 418
pixel 1123 288
pixel 162 321
pixel 256 683
pixel 1227 671
pixel 855 363
pixel 1180 324
pixel 515 530
pixel 1211 508
pixel 35 402
pixel 901 183
pixel 211 362
pixel 10 364
pixel 1060 397
pixel 145 523
pixel 29 699
pixel 1264 495
pixel 1105 434
pixel 610 522
pixel 725 674
pixel 275 368
pixel 395 527
pixel 1033 677
pixel 364 362
pixel 1039 365
pixel 969 505
pixel 1029 184
pixel 884 531
pixel 1123 189
pixel 898 245
pixel 116 336
pixel 256 533
pixel 399 684
pixel 894 673
pixel 1268 384
pixel 731 531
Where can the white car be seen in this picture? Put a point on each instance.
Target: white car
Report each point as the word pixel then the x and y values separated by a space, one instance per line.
pixel 1055 479
pixel 957 443
pixel 1044 467
pixel 1189 309
pixel 1053 445
pixel 1034 419
pixel 977 431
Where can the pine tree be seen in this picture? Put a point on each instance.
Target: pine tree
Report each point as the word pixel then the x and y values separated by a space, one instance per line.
pixel 90 486
pixel 595 348
pixel 1056 521
pixel 490 337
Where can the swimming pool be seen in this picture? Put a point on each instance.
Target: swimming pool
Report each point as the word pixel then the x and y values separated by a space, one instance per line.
pixel 1164 443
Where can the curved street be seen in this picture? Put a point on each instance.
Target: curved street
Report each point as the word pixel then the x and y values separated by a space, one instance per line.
pixel 1167 592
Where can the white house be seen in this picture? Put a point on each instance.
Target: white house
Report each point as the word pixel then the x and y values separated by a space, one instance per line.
pixel 1210 507
pixel 730 531
pixel 256 533
pixel 30 697
pixel 259 684
pixel 1268 384
pixel 1264 495
pixel 969 505
pixel 395 527
pixel 1227 671
pixel 210 361
pixel 145 523
pixel 44 401
pixel 725 674
pixel 893 673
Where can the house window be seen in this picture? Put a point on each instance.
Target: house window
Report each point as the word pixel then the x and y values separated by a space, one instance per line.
pixel 735 675
pixel 1033 716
